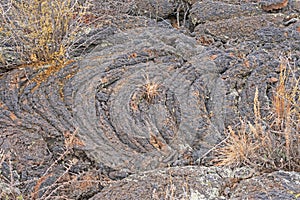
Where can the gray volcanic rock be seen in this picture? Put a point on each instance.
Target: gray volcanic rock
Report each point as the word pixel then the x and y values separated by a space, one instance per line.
pixel 154 8
pixel 86 42
pixel 250 47
pixel 145 101
pixel 277 185
pixel 219 22
pixel 237 28
pixel 191 182
pixel 104 99
pixel 137 134
pixel 271 5
pixel 199 183
pixel 205 11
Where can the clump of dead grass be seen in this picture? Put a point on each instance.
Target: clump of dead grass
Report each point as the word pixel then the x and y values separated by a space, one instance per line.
pixel 269 143
pixel 40 30
pixel 150 90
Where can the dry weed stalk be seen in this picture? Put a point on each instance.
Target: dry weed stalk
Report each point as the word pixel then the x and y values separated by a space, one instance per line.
pixel 8 184
pixel 70 142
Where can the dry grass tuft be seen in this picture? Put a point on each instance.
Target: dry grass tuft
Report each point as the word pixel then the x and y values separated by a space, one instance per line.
pixel 40 30
pixel 150 90
pixel 237 149
pixel 270 143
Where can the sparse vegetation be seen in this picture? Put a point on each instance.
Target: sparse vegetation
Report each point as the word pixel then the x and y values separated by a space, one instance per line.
pixel 60 181
pixel 43 34
pixel 271 143
pixel 150 90
pixel 40 30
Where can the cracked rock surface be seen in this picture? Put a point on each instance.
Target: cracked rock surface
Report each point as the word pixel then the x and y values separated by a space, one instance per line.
pixel 194 182
pixel 150 100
